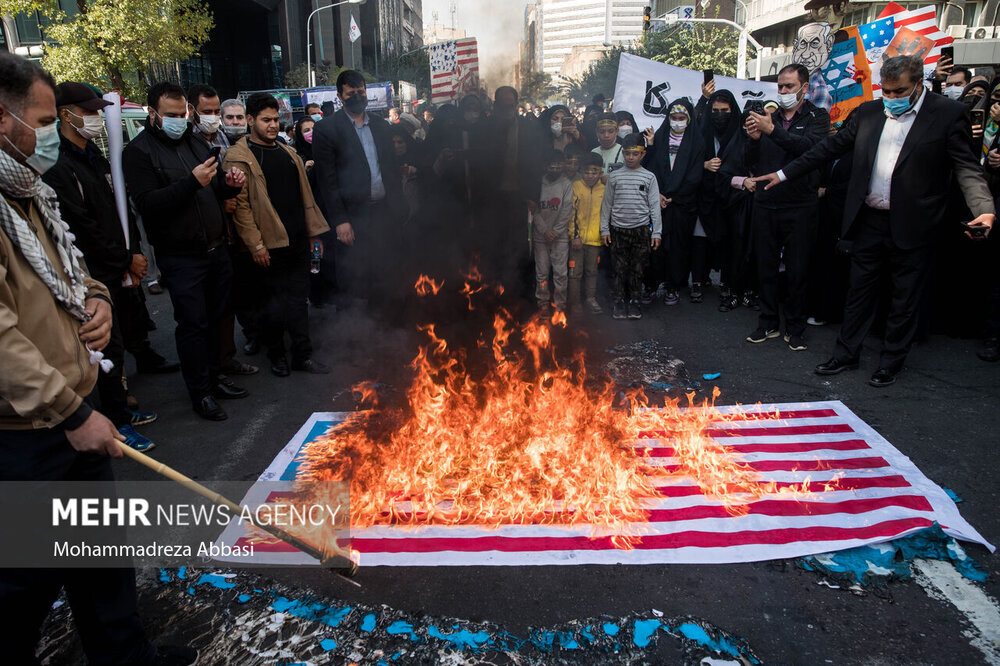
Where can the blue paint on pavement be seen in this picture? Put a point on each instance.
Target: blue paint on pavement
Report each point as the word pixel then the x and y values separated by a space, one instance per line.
pixel 368 624
pixel 243 598
pixel 643 632
pixel 328 644
pixel 711 376
pixel 401 627
pixel 611 629
pixel 462 639
pixel 317 612
pixel 182 573
pixel 215 580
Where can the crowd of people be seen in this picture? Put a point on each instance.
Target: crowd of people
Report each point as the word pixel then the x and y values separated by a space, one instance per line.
pixel 242 220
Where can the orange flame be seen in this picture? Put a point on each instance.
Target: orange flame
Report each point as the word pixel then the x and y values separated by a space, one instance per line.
pixel 426 286
pixel 527 443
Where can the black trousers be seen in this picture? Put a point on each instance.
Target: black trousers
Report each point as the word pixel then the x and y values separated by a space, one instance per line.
pixel 784 235
pixel 103 601
pixel 243 303
pixel 283 306
pixel 367 269
pixel 630 254
pixel 111 385
pixel 874 255
pixel 199 288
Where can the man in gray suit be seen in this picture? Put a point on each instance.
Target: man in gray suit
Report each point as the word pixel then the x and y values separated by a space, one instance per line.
pixel 906 148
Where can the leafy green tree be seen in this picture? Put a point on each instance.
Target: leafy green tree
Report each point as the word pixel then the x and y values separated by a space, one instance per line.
pixel 536 88
pixel 115 43
pixel 693 46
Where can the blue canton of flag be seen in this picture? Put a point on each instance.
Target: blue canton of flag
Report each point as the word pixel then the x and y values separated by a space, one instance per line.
pixel 443 57
pixel 878 34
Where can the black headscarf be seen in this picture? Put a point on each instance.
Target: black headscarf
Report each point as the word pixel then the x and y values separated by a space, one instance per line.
pixel 709 131
pixel 974 101
pixel 679 182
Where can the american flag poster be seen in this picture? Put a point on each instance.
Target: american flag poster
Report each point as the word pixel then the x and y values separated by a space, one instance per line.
pixel 454 70
pixel 848 75
pixel 859 490
pixel 922 21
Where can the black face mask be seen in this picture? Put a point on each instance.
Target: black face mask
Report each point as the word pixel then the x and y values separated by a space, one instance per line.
pixel 972 100
pixel 356 104
pixel 720 119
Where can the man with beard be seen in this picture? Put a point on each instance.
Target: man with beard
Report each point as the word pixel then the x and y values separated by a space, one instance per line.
pixel 812 50
pixel 360 189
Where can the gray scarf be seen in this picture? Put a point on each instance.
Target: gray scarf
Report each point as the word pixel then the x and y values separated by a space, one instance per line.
pixel 22 182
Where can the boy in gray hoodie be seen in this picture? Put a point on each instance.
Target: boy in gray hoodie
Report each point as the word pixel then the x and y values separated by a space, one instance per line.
pixel 550 235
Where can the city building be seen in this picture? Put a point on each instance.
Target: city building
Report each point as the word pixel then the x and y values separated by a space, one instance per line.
pixel 255 43
pixel 560 26
pixel 436 32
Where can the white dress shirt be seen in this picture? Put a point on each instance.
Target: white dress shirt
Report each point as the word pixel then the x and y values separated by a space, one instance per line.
pixel 889 145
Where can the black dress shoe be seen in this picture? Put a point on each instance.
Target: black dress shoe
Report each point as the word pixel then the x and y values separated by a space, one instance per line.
pixel 225 389
pixel 208 408
pixel 312 367
pixel 882 378
pixel 279 367
pixel 835 366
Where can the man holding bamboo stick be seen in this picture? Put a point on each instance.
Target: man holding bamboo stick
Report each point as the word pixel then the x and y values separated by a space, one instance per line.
pixel 54 321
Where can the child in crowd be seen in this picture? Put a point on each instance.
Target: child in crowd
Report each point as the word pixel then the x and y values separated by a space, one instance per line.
pixel 630 225
pixel 585 233
pixel 550 234
pixel 608 146
pixel 573 153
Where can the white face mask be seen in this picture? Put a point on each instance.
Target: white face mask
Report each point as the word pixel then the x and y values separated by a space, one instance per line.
pixel 556 129
pixel 624 131
pixel 789 100
pixel 209 124
pixel 678 126
pixel 92 126
pixel 953 92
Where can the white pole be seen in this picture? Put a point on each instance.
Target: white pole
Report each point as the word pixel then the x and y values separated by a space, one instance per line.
pixel 607 22
pixel 310 74
pixel 741 56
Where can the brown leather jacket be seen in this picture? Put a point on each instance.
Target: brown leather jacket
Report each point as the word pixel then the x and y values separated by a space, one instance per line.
pixel 45 370
pixel 255 219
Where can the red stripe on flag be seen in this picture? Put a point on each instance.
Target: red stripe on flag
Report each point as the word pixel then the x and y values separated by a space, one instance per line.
pixel 774 431
pixel 842 483
pixel 790 447
pixel 791 508
pixel 798 414
pixel 874 462
pixel 889 528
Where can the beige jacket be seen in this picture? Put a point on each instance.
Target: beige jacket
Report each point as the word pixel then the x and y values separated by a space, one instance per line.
pixel 255 219
pixel 45 370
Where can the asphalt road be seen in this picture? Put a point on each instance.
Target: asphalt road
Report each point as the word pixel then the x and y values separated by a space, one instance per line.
pixel 943 413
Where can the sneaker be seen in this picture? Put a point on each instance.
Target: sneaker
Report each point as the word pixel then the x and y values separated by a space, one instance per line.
pixel 595 307
pixel 813 321
pixel 729 303
pixel 761 334
pixel 619 311
pixel 137 418
pixel 175 655
pixel 750 300
pixel 647 296
pixel 134 440
pixel 634 311
pixel 795 342
pixel 696 295
pixel 544 311
pixel 671 298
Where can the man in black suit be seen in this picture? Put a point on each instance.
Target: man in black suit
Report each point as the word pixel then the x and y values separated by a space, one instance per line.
pixel 359 188
pixel 905 149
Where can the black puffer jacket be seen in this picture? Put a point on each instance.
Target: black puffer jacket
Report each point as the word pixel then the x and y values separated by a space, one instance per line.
pixel 180 216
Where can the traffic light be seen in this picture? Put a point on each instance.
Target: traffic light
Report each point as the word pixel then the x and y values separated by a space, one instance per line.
pixel 646 16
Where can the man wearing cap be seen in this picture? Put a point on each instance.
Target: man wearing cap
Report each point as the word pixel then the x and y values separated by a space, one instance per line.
pixel 82 180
